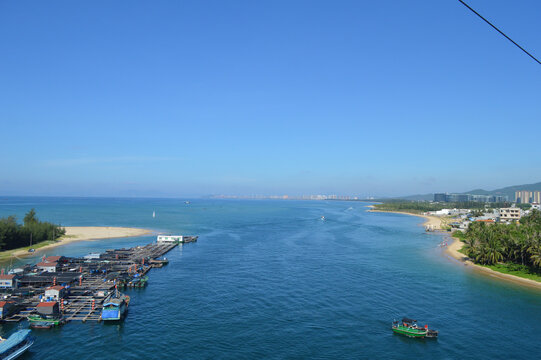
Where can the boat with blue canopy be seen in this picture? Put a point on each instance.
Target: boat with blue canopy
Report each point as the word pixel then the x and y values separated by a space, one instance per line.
pixel 115 306
pixel 15 345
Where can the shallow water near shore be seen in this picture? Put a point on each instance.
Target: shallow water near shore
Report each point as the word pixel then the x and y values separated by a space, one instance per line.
pixel 270 279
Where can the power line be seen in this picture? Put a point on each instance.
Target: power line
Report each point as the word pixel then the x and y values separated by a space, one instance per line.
pixel 501 32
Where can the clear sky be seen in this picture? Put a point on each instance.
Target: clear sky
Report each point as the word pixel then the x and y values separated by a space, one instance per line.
pixel 189 98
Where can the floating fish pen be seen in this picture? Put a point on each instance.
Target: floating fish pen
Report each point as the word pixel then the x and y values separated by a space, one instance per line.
pixel 61 289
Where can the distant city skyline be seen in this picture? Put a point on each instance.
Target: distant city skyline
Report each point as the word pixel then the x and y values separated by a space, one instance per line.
pixel 190 99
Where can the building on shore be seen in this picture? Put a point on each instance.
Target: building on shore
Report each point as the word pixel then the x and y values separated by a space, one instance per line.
pixel 46 266
pixel 176 239
pixel 8 281
pixel 440 197
pixel 55 292
pixel 527 197
pixel 446 197
pixel 510 214
pixel 522 196
pixel 170 238
pixel 449 212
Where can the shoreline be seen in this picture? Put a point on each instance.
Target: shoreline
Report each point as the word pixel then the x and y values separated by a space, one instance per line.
pixel 430 220
pixel 78 233
pixel 453 251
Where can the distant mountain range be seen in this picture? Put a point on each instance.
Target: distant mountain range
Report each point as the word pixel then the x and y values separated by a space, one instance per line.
pixel 508 191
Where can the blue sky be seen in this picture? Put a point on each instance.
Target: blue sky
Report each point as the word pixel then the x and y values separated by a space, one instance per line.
pixel 178 98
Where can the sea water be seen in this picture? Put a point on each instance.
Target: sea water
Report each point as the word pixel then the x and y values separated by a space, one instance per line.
pixel 272 280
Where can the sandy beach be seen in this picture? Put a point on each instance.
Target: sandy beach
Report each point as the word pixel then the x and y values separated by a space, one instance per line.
pixel 80 233
pixel 433 221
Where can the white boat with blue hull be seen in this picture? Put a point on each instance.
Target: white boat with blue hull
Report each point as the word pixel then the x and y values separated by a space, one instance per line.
pixel 15 345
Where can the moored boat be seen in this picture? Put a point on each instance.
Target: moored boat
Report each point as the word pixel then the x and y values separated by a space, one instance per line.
pixel 32 319
pixel 138 282
pixel 115 306
pixel 15 345
pixel 41 325
pixel 409 327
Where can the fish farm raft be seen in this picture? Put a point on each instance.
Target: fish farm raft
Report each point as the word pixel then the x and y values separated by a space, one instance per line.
pixel 61 289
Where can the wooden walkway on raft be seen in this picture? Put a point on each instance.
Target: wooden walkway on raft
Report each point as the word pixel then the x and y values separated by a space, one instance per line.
pixel 83 308
pixel 150 251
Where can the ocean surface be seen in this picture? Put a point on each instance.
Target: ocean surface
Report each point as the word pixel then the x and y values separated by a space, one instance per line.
pixel 271 280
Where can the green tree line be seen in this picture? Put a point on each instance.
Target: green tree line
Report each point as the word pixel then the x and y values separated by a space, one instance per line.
pixel 14 235
pixel 519 244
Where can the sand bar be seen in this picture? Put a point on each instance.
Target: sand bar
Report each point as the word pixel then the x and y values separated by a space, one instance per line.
pixel 80 233
pixel 76 233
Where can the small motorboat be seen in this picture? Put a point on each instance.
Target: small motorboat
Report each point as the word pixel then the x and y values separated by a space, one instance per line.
pixel 42 325
pixel 409 327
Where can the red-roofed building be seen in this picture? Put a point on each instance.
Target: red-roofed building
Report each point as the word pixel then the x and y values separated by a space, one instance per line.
pixel 56 292
pixel 48 308
pixel 55 259
pixel 47 266
pixel 7 308
pixel 8 281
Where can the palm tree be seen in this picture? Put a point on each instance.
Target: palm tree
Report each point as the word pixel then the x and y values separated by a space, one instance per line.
pixel 470 246
pixel 535 252
pixel 481 254
pixel 535 256
pixel 494 254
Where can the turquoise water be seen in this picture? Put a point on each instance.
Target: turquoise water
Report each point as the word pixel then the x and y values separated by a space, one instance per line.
pixel 269 279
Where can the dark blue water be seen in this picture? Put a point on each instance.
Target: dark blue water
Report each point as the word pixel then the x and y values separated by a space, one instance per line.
pixel 269 279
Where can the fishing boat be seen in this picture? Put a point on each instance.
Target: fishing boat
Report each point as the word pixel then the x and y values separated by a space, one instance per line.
pixel 138 282
pixel 409 327
pixel 115 306
pixel 40 319
pixel 41 325
pixel 15 345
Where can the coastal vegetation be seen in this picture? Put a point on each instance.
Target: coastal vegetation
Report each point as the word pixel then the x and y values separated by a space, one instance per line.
pixel 509 248
pixel 32 231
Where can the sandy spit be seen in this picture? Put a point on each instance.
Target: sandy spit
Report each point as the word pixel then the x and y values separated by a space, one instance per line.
pixel 80 233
